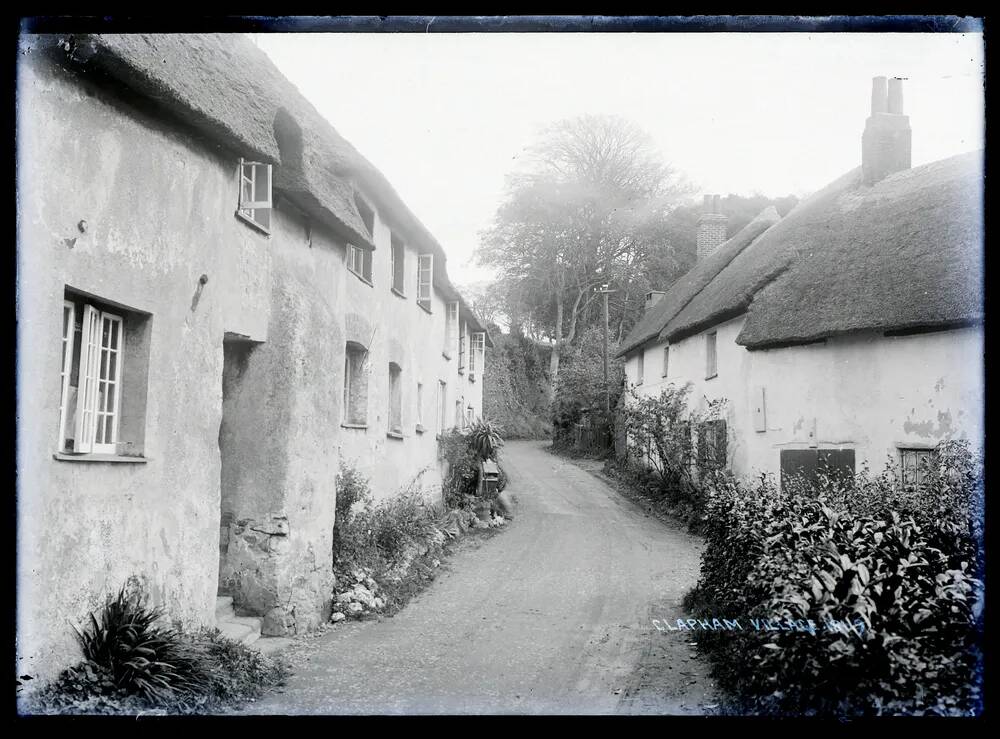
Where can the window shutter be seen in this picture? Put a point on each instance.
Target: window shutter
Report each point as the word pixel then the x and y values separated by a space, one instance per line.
pixel 90 351
pixel 69 333
pixel 425 266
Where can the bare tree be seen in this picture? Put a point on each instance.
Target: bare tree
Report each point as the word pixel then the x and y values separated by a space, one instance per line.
pixel 585 212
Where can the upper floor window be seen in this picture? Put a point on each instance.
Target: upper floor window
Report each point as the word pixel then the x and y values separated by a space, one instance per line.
pixel 666 359
pixel 255 194
pixel 425 278
pixel 640 372
pixel 450 328
pixel 355 385
pixel 359 259
pixel 477 346
pixel 711 368
pixel 461 347
pixel 96 341
pixel 397 262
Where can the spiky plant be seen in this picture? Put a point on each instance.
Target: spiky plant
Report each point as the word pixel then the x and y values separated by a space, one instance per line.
pixel 143 657
pixel 485 439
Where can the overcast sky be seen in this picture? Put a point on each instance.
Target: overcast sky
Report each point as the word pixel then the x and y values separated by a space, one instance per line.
pixel 445 116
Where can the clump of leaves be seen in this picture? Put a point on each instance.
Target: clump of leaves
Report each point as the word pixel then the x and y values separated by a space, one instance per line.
pixel 138 654
pixel 484 438
pixel 866 548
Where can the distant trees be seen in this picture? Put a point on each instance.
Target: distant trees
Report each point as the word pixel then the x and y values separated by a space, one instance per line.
pixel 590 208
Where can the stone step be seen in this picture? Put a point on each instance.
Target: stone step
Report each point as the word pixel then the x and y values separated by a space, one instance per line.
pixel 244 629
pixel 271 644
pixel 224 608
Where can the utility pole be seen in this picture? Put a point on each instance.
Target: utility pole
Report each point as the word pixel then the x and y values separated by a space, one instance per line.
pixel 607 390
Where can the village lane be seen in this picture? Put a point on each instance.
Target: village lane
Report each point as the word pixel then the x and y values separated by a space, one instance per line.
pixel 552 615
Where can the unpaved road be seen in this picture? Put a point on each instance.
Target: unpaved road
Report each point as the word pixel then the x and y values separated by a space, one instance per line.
pixel 553 615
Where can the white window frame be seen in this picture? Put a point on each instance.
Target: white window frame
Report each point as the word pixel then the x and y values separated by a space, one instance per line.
pixel 359 262
pixel 451 328
pixel 425 280
pixel 91 405
pixel 461 346
pixel 258 201
pixel 68 342
pixel 477 345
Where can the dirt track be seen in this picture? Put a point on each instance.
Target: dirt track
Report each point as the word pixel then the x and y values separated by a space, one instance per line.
pixel 551 616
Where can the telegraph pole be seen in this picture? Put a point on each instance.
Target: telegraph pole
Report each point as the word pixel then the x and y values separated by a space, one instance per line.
pixel 607 390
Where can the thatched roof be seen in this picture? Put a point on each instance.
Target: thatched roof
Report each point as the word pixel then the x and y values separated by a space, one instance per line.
pixel 229 90
pixel 688 286
pixel 903 254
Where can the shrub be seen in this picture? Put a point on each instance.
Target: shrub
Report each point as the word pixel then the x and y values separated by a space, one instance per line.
pixel 904 562
pixel 133 665
pixel 464 452
pixel 484 438
pixel 351 487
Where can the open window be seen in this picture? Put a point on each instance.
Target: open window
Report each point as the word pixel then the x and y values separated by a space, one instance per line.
pixel 355 386
pixel 102 405
pixel 425 280
pixel 255 194
pixel 359 258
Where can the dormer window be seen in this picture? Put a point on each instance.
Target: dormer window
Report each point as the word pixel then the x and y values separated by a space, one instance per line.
pixel 255 194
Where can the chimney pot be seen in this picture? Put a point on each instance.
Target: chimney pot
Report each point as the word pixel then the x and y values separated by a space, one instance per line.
pixel 879 95
pixel 711 227
pixel 895 96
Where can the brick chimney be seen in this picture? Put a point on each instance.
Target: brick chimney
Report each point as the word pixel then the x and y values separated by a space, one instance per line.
pixel 653 297
pixel 885 144
pixel 711 227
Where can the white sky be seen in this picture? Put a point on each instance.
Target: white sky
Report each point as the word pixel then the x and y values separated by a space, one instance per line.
pixel 445 116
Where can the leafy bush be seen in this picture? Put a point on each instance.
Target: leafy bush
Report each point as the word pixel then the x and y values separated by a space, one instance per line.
pixel 906 562
pixel 660 455
pixel 133 665
pixel 464 452
pixel 484 438
pixel 351 488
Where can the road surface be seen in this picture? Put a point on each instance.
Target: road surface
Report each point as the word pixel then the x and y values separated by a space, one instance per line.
pixel 552 615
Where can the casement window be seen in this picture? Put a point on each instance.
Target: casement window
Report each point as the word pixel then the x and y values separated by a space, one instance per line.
pixel 640 371
pixel 425 280
pixel 395 400
pixel 914 464
pixel 461 346
pixel 712 444
pixel 355 385
pixel 442 406
pixel 450 328
pixel 666 360
pixel 255 194
pixel 397 259
pixel 420 407
pixel 92 378
pixel 711 369
pixel 359 259
pixel 477 345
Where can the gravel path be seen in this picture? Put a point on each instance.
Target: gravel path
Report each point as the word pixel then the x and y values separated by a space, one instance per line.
pixel 553 615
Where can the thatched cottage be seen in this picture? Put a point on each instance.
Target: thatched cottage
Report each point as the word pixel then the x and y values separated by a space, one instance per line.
pixel 848 333
pixel 219 300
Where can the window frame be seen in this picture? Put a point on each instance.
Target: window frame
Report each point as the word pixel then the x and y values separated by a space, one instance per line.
pixel 450 328
pixel 666 360
pixel 397 265
pixel 365 273
pixel 352 375
pixel 395 415
pixel 425 281
pixel 247 210
pixel 461 345
pixel 711 355
pixel 922 456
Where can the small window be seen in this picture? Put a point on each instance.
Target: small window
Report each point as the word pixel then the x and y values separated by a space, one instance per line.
pixel 450 329
pixel 425 278
pixel 810 464
pixel 666 359
pixel 711 370
pixel 420 406
pixel 461 347
pixel 355 385
pixel 442 406
pixel 359 261
pixel 914 464
pixel 476 348
pixel 640 372
pixel 470 415
pixel 101 407
pixel 255 194
pixel 397 262
pixel 395 399
pixel 458 414
pixel 712 444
